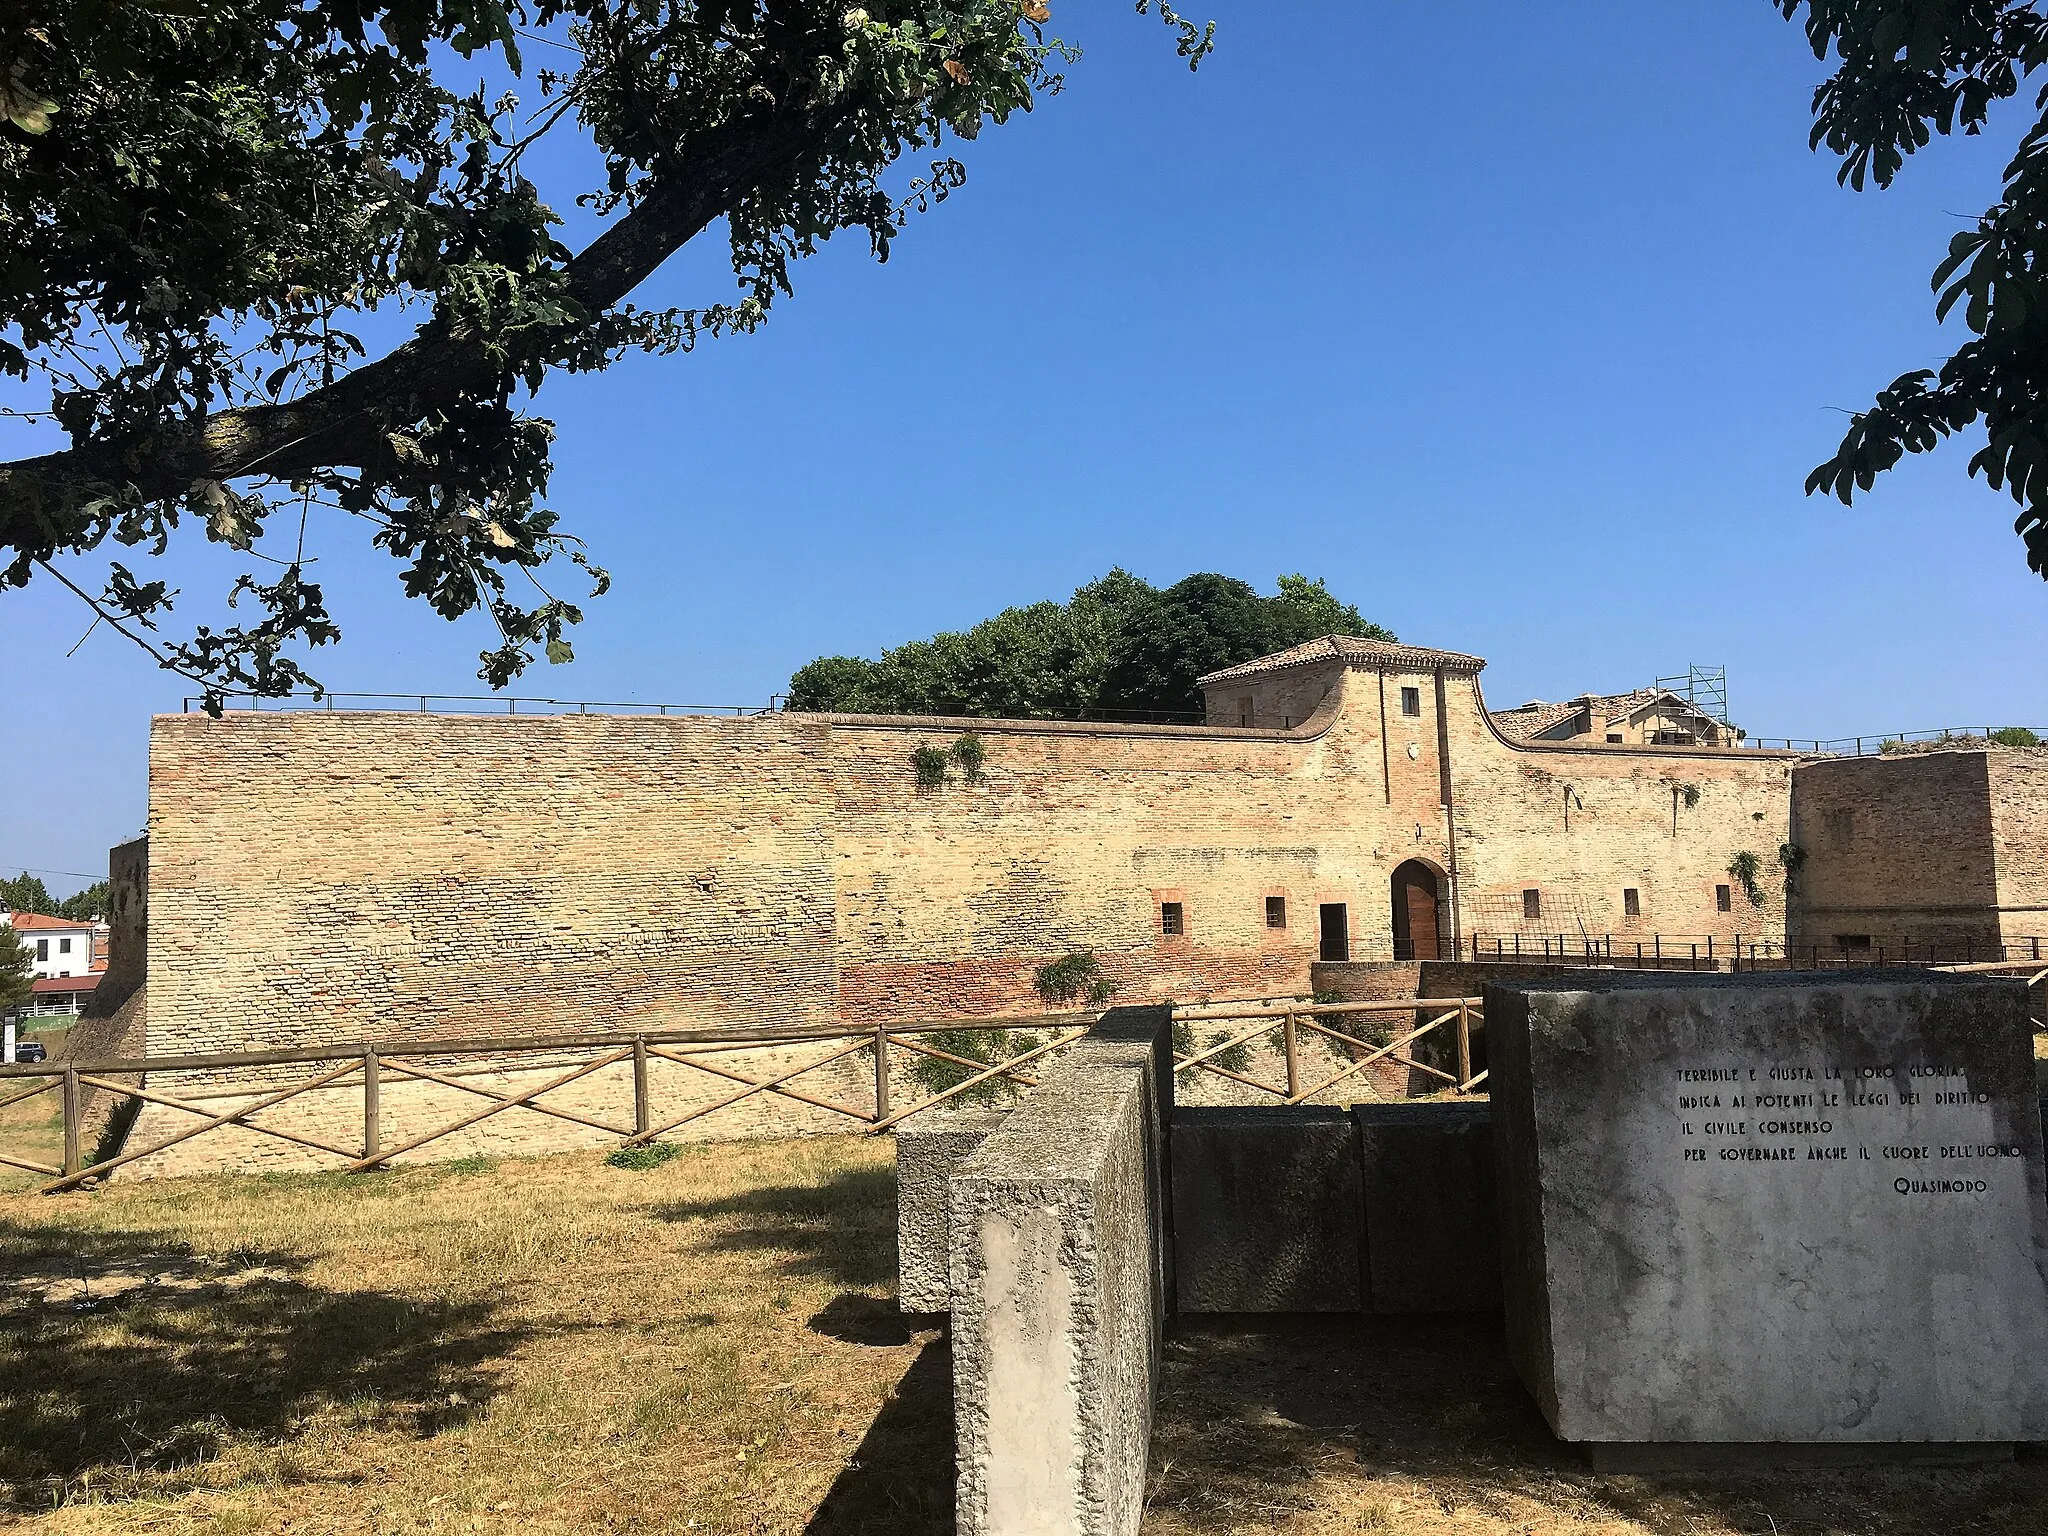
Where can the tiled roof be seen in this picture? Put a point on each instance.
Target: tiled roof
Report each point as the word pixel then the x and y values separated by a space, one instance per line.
pixel 85 983
pixel 1533 719
pixel 38 920
pixel 1349 648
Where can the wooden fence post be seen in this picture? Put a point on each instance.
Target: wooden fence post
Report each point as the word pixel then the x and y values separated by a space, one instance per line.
pixel 642 1115
pixel 1293 1040
pixel 881 1072
pixel 1464 1044
pixel 373 1104
pixel 74 1161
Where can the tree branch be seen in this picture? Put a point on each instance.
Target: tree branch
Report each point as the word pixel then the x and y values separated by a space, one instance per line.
pixel 45 500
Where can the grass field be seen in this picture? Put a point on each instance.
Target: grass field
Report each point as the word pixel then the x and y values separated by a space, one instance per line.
pixel 550 1345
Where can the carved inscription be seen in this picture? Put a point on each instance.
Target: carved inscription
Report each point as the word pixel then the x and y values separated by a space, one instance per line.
pixel 1920 1127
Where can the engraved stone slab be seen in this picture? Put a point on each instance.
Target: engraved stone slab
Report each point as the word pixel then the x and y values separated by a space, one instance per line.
pixel 1772 1209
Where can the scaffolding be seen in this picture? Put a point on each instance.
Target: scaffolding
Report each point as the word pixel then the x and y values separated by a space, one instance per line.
pixel 1705 688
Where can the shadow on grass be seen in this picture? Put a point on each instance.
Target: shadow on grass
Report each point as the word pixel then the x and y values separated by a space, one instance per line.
pixel 1258 1416
pixel 900 1480
pixel 843 1230
pixel 123 1352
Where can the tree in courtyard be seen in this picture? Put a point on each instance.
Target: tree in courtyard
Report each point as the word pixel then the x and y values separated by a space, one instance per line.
pixel 202 207
pixel 17 970
pixel 1120 645
pixel 1906 70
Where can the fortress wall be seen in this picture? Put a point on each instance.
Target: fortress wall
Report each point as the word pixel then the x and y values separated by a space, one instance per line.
pixel 351 876
pixel 1898 844
pixel 343 877
pixel 1582 824
pixel 2018 784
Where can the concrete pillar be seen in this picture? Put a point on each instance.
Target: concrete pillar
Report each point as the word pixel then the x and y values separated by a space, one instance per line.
pixel 1060 1276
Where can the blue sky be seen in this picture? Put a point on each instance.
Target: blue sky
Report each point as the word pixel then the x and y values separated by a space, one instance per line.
pixel 1521 325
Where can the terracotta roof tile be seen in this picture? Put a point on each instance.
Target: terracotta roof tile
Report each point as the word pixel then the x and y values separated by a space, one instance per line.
pixel 1349 648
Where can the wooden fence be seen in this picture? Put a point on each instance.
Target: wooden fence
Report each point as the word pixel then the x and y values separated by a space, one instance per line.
pixel 368 1069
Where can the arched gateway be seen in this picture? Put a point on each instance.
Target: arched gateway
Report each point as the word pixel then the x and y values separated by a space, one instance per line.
pixel 1415 905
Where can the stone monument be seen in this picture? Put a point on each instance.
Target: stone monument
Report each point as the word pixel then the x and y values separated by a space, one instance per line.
pixel 1792 1217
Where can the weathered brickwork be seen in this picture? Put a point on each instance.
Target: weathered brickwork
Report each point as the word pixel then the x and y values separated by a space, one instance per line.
pixel 331 878
pixel 1944 847
pixel 324 877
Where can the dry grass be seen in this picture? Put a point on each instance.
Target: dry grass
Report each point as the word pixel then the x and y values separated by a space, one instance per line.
pixel 33 1129
pixel 1418 1427
pixel 546 1345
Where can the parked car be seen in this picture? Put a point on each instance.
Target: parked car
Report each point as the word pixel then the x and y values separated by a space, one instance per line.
pixel 30 1050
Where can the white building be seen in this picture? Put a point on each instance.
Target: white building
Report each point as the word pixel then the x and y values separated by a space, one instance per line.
pixel 60 945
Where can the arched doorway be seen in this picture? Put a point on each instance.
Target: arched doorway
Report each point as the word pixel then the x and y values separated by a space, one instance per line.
pixel 1415 912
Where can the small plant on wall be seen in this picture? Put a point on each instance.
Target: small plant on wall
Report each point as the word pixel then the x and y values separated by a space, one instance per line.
pixel 1792 857
pixel 1074 978
pixel 970 752
pixel 1744 869
pixel 930 763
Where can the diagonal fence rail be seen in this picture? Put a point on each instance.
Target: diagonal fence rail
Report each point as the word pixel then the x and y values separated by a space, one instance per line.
pixel 241 1091
pixel 1289 1019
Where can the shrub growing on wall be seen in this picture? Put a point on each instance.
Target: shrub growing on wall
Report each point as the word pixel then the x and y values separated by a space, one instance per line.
pixel 1744 869
pixel 930 765
pixel 1073 979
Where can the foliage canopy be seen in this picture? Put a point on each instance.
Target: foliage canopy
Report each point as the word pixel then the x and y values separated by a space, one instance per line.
pixel 204 202
pixel 1119 646
pixel 27 893
pixel 1905 71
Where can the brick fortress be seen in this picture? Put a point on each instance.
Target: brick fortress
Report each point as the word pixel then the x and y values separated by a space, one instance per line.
pixel 337 877
pixel 318 879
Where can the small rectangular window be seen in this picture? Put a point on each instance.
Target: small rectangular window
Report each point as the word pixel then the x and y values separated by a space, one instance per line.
pixel 42 949
pixel 1722 901
pixel 1411 701
pixel 1172 919
pixel 1631 903
pixel 1532 905
pixel 1614 738
pixel 1276 911
pixel 64 946
pixel 1852 941
pixel 1245 711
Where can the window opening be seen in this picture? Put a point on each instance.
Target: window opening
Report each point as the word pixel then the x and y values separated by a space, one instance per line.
pixel 1172 918
pixel 1411 701
pixel 1276 911
pixel 1722 901
pixel 1631 903
pixel 1532 906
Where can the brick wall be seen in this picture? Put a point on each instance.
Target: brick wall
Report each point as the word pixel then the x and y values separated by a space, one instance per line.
pixel 344 877
pixel 1895 846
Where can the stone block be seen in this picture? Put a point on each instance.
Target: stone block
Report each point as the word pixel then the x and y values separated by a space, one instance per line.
pixel 1268 1214
pixel 927 1153
pixel 1774 1210
pixel 1059 1281
pixel 1432 1234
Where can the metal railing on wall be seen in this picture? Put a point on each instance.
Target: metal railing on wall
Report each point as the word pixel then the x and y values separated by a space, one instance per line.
pixel 468 704
pixel 1896 741
pixel 505 704
pixel 1706 952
